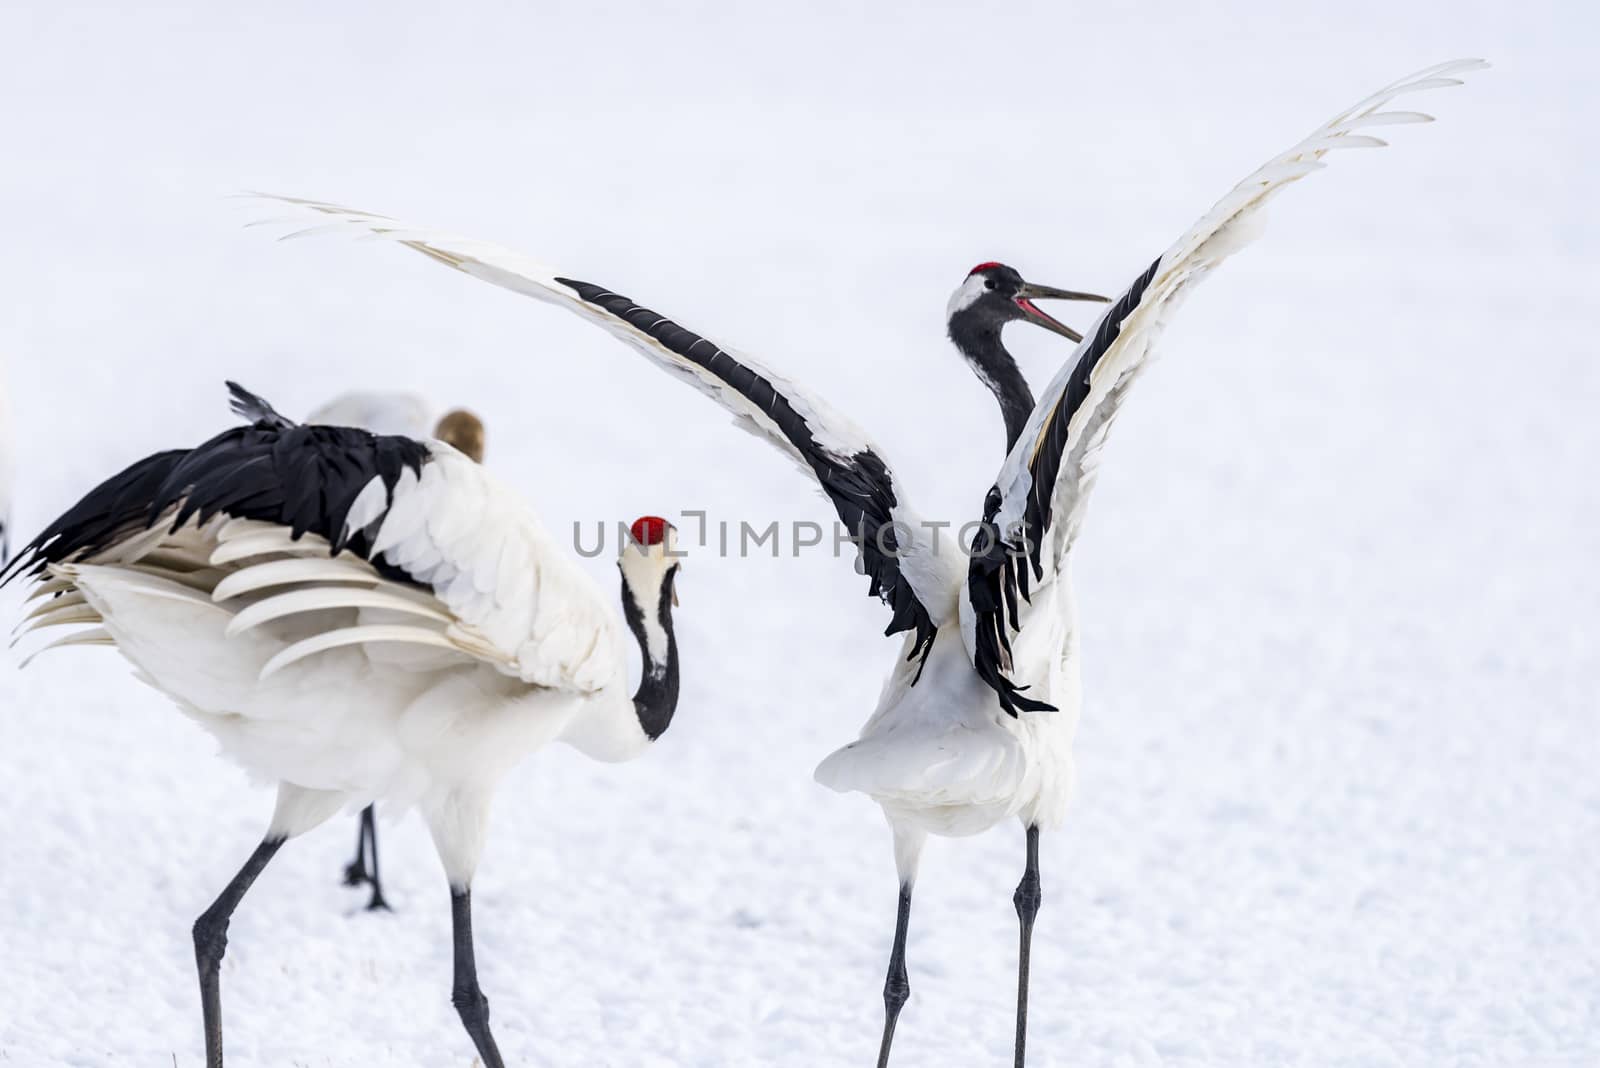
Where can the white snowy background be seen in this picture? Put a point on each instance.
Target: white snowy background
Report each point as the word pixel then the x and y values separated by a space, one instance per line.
pixel 1339 799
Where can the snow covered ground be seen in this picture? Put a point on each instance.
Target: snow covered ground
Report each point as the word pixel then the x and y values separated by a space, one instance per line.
pixel 1339 801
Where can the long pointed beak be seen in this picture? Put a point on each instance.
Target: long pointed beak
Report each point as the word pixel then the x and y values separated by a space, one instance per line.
pixel 1028 293
pixel 677 568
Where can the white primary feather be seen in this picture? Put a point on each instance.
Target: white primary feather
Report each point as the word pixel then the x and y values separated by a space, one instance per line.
pixel 1230 224
pixel 498 589
pixel 258 543
pixel 93 636
pixel 245 626
pixel 521 274
pixel 320 599
pixel 932 576
pixel 199 582
pixel 263 576
pixel 347 681
pixel 50 587
pixel 947 756
pixel 75 611
pixel 70 597
pixel 362 635
pixel 500 586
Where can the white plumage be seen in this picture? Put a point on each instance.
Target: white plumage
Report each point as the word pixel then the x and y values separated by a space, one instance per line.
pixel 976 720
pixel 380 411
pixel 448 639
pixel 393 411
pixel 225 616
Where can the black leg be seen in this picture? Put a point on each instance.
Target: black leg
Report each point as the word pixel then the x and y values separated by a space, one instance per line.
pixel 211 941
pixel 369 821
pixel 1027 900
pixel 896 987
pixel 465 994
pixel 355 872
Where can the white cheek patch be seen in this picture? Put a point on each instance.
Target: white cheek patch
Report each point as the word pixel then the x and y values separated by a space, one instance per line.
pixel 966 294
pixel 643 569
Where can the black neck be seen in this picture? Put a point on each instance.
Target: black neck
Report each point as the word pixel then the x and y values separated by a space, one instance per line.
pixel 657 696
pixel 980 343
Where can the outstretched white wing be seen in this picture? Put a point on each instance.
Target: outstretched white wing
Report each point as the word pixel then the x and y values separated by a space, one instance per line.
pixel 895 550
pixel 1037 503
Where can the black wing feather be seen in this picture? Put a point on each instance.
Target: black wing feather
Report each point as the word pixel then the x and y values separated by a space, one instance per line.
pixel 255 409
pixel 997 576
pixel 860 486
pixel 305 478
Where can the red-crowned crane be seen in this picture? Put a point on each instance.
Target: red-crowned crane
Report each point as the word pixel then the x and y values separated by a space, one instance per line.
pixel 359 617
pixel 386 411
pixel 976 721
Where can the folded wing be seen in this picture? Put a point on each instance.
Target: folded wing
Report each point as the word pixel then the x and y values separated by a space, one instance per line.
pixel 355 538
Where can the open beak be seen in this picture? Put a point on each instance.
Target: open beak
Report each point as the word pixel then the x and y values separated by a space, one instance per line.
pixel 1029 293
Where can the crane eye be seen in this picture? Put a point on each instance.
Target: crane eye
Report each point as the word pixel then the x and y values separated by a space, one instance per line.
pixel 988 283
